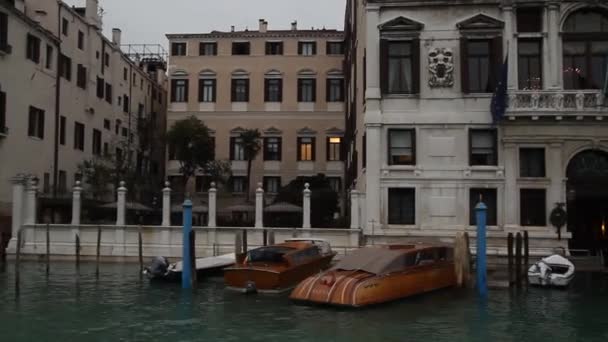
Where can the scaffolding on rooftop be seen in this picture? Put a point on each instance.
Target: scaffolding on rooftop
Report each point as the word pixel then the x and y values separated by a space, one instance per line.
pixel 146 53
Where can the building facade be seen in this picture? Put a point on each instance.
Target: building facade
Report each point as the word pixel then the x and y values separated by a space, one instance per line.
pixel 70 94
pixel 288 84
pixel 430 146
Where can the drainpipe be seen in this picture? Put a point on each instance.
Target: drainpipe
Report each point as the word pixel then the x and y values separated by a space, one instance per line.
pixel 57 106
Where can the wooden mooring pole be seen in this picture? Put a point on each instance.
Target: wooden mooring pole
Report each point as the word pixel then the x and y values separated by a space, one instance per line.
pixel 510 257
pixel 98 252
pixel 77 252
pixel 48 249
pixel 526 252
pixel 245 240
pixel 238 242
pixel 193 258
pixel 17 262
pixel 518 249
pixel 140 253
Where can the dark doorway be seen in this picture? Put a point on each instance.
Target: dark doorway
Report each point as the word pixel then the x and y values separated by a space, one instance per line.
pixel 587 194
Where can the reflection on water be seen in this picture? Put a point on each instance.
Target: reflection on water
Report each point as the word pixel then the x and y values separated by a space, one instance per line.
pixel 120 307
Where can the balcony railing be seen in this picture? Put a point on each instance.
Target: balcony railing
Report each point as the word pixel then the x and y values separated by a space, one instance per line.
pixel 546 102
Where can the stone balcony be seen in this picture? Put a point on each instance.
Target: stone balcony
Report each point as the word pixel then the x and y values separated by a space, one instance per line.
pixel 557 104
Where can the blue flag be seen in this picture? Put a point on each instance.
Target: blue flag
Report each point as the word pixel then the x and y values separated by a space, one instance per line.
pixel 499 99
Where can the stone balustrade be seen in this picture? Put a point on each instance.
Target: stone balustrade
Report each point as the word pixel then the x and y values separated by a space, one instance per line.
pixel 555 102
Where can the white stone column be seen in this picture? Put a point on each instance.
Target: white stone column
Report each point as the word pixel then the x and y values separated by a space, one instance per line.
pixel 510 45
pixel 17 210
pixel 553 55
pixel 166 222
pixel 30 207
pixel 511 207
pixel 555 170
pixel 372 176
pixel 76 204
pixel 306 207
pixel 259 206
pixel 354 209
pixel 212 206
pixel 121 204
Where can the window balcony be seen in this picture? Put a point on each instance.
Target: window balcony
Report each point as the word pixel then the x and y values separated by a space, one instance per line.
pixel 556 103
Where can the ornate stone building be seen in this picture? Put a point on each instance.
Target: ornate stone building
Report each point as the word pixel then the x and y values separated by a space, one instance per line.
pixel 423 147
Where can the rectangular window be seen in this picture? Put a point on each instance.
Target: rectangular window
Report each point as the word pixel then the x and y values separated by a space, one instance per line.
pixel 272 185
pixel 479 66
pixel 179 90
pixel 306 149
pixel 80 40
pixel 109 93
pixel 64 26
pixel 96 142
pixel 334 148
pixel 36 123
pixel 237 152
pixel 125 132
pixel 483 150
pixel 206 90
pixel 62 186
pixel 126 106
pixel 335 48
pixel 119 155
pixel 202 183
pixel 240 90
pixel 49 57
pixel 398 67
pixel 106 149
pixel 100 87
pixel 62 127
pixel 530 64
pixel 531 162
pixel 117 126
pixel 335 90
pixel 65 67
pixel 307 90
pixel 46 185
pixel 402 147
pixel 208 49
pixel 125 74
pixel 273 90
pixel 33 48
pixel 178 49
pixel 237 184
pixel 529 19
pixel 488 196
pixel 272 148
pixel 274 48
pixel 401 206
pixel 2 112
pixel 4 32
pixel 307 48
pixel 81 77
pixel 106 124
pixel 533 206
pixel 585 64
pixel 241 48
pixel 335 183
pixel 134 79
pixel 78 136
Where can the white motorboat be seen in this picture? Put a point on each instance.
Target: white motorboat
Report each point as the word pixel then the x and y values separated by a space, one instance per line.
pixel 160 269
pixel 554 270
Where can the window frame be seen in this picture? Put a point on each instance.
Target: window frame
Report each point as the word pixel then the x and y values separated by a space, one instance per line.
pixel 243 181
pixel 79 136
pixel 313 89
pixel 301 49
pixel 385 58
pixel 266 181
pixel 96 147
pixel 4 46
pixel 65 67
pixel 36 125
pixel 300 143
pixel 177 83
pixel 81 76
pixel 3 129
pixel 234 153
pixel 234 84
pixel 278 96
pixel 526 173
pixel 328 49
pixel 80 40
pixel 402 219
pixel 179 49
pixel 33 45
pixel 62 129
pixel 65 27
pixel 521 58
pixel 272 52
pixel 202 94
pixel 495 60
pixel 273 155
pixel 330 149
pixel 494 132
pixel 202 51
pixel 412 132
pixel 329 86
pixel 236 46
pixel 526 206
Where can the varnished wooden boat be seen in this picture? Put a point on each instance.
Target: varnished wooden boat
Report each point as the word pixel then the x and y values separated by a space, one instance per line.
pixel 279 267
pixel 380 274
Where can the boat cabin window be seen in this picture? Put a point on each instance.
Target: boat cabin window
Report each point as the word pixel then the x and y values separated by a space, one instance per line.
pixel 268 254
pixel 425 257
pixel 304 255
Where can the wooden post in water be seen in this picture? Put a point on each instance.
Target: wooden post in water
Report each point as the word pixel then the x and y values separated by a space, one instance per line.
pixel 48 249
pixel 98 252
pixel 2 253
pixel 77 252
pixel 518 248
pixel 140 252
pixel 186 247
pixel 271 237
pixel 510 257
pixel 245 240
pixel 17 262
pixel 526 252
pixel 238 243
pixel 462 259
pixel 193 257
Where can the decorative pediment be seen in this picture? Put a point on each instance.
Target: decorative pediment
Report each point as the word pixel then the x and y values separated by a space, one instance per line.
pixel 335 131
pixel 237 130
pixel 272 131
pixel 335 73
pixel 481 22
pixel 240 73
pixel 306 131
pixel 207 73
pixel 307 73
pixel 179 73
pixel 401 24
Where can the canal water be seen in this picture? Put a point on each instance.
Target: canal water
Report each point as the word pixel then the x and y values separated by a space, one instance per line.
pixel 121 307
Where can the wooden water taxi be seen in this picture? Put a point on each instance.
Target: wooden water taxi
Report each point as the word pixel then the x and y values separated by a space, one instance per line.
pixel 380 274
pixel 279 267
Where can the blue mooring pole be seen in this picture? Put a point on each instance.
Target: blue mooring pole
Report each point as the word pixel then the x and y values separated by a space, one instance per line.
pixel 186 267
pixel 482 283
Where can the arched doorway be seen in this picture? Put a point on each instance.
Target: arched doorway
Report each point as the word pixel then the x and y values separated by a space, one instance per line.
pixel 587 194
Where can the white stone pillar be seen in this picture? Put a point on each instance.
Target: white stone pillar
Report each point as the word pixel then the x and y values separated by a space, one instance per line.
pixel 259 206
pixel 354 209
pixel 121 204
pixel 510 45
pixel 30 207
pixel 553 55
pixel 166 205
pixel 511 207
pixel 212 206
pixel 76 204
pixel 18 210
pixel 372 176
pixel 306 207
pixel 555 173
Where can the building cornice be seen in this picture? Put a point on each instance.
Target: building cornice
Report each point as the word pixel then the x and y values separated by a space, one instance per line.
pixel 256 34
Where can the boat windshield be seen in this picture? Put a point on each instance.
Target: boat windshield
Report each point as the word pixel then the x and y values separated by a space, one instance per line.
pixel 268 254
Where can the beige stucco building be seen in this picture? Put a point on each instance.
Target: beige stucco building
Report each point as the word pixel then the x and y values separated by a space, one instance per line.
pixel 288 84
pixel 71 94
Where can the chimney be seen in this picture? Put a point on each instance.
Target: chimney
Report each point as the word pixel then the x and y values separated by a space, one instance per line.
pixel 92 13
pixel 263 26
pixel 232 28
pixel 116 35
pixel 20 5
pixel 294 25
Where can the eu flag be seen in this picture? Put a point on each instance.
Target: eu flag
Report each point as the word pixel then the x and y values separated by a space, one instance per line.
pixel 499 99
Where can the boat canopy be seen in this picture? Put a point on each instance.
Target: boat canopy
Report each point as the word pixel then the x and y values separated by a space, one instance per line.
pixel 268 254
pixel 385 260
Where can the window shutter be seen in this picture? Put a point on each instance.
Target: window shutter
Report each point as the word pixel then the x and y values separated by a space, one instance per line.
pixel 4 30
pixel 314 48
pixel 200 88
pixel 464 66
pixel 233 90
pixel 2 111
pixel 201 49
pixel 299 48
pixel 327 148
pixel 187 82
pixel 299 90
pixel 214 85
pixel 416 66
pixel 247 90
pixel 314 90
pixel 232 140
pixel 384 66
pixel 413 146
pixel 343 149
pixel 327 89
pixel 280 142
pixel 280 90
pixel 497 60
pixel 268 48
pixel 314 149
pixel 32 123
pixel 266 85
pixel 41 123
pixel 299 145
pixel 266 146
pixel 173 86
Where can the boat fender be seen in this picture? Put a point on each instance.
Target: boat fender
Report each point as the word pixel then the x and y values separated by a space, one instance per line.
pixel 250 287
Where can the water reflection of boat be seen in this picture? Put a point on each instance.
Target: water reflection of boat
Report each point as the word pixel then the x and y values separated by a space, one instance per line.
pixel 380 274
pixel 279 267
pixel 160 269
pixel 554 270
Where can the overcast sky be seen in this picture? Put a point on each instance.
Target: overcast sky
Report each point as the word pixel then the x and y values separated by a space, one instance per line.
pixel 147 21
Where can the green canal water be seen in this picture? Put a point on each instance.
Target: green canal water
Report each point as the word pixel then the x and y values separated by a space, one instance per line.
pixel 120 307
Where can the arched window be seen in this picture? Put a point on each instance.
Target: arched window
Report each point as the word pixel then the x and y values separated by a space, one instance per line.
pixel 585 48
